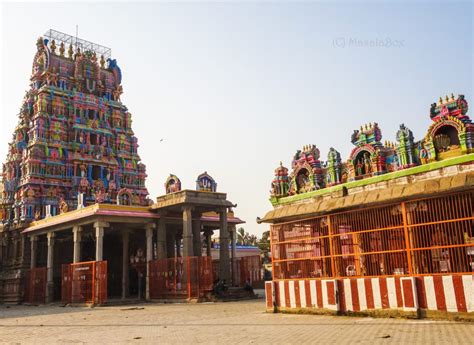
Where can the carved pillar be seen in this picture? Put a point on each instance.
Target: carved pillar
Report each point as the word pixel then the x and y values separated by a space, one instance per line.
pixel 161 246
pixel 149 256
pixel 187 232
pixel 34 247
pixel 49 268
pixel 99 236
pixel 224 267
pixel 77 238
pixel 125 264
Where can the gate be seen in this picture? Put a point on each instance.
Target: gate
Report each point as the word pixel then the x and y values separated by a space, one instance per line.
pixel 66 283
pixel 188 277
pixel 247 267
pixel 35 285
pixel 84 282
pixel 250 268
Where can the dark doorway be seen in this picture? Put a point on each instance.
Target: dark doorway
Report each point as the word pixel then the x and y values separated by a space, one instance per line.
pixel 113 256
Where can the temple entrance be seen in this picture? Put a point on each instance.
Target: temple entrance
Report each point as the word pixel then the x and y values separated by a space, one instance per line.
pixel 113 255
pixel 137 265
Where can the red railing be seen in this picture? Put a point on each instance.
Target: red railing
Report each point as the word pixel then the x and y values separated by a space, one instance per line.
pixel 84 282
pixel 251 269
pixel 35 285
pixel 188 277
pixel 247 267
pixel 426 236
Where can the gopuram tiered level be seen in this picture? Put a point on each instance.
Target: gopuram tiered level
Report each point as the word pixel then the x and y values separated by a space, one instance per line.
pixel 390 231
pixel 76 221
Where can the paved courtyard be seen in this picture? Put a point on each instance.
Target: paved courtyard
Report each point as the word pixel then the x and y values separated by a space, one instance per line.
pixel 228 323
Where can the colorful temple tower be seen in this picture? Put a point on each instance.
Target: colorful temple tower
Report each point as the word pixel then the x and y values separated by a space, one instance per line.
pixel 74 139
pixel 74 136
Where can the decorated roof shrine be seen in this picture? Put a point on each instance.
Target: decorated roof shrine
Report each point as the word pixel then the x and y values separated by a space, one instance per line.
pixel 204 183
pixel 451 134
pixel 74 136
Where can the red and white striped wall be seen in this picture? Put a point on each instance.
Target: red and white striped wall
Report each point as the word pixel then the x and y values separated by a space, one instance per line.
pixel 308 293
pixel 360 294
pixel 449 293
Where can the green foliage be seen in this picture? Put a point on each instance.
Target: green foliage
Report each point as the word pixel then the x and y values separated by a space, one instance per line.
pixel 264 242
pixel 245 239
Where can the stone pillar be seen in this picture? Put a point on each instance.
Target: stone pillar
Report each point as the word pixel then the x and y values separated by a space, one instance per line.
pixel 77 237
pixel 34 247
pixel 187 232
pixel 178 238
pixel 149 256
pixel 197 245
pixel 49 268
pixel 1 250
pixel 161 247
pixel 125 265
pixel 233 260
pixel 99 238
pixel 171 244
pixel 224 264
pixel 208 234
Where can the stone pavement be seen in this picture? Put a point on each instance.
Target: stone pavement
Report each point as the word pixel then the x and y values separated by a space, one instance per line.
pixel 227 323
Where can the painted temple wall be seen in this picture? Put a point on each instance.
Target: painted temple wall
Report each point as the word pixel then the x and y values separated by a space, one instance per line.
pixel 445 296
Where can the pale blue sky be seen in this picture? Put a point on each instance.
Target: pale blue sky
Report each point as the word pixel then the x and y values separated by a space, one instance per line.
pixel 234 88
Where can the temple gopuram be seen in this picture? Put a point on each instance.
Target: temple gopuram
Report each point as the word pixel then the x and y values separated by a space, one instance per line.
pixel 76 223
pixel 389 231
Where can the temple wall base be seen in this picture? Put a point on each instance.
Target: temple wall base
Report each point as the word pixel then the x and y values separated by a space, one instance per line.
pixel 447 297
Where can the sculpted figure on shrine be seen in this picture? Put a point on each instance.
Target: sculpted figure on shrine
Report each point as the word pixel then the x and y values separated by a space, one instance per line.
pixel 172 184
pixel 334 167
pixel 369 157
pixel 281 182
pixel 452 132
pixel 206 183
pixel 406 148
pixel 307 173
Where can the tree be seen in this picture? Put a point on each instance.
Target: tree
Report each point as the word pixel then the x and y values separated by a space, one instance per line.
pixel 264 242
pixel 252 240
pixel 242 237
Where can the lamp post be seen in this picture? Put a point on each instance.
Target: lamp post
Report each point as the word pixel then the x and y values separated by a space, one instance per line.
pixel 138 264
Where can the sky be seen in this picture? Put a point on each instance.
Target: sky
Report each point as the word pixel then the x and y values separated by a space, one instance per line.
pixel 234 88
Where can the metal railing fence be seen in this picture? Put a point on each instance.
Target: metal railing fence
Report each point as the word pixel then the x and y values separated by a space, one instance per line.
pixel 426 236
